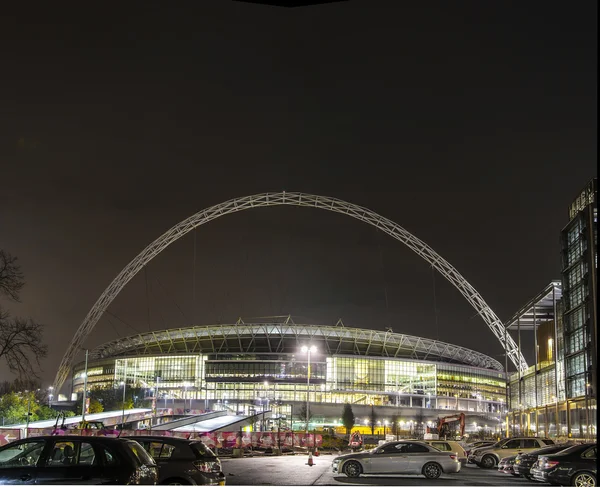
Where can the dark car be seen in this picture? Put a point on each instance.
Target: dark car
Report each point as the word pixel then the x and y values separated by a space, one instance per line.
pixel 73 460
pixel 526 460
pixel 507 465
pixel 574 466
pixel 182 461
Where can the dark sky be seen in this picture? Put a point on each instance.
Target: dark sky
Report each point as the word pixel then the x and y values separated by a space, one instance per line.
pixel 471 124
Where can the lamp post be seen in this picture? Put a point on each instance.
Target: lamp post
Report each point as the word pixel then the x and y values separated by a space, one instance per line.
pixel 123 383
pixel 28 414
pixel 308 351
pixel 84 400
pixel 185 386
pixel 156 396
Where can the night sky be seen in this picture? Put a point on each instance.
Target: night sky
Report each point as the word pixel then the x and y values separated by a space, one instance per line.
pixel 471 124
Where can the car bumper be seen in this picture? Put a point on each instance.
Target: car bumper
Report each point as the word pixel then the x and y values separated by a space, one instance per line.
pixel 539 475
pixel 522 469
pixel 217 478
pixel 453 467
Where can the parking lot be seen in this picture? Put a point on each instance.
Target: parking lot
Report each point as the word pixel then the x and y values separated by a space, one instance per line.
pixel 293 470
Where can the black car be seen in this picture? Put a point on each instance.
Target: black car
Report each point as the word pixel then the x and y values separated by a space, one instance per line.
pixel 181 461
pixel 574 466
pixel 74 460
pixel 526 460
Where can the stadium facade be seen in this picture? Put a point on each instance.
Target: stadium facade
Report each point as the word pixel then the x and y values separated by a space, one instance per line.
pixel 245 365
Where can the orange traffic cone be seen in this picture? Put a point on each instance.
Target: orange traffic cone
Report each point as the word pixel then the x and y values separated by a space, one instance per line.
pixel 310 459
pixel 316 452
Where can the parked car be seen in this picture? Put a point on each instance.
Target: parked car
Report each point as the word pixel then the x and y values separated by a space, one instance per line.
pixel 182 461
pixel 490 456
pixel 469 447
pixel 506 465
pixel 450 446
pixel 73 460
pixel 526 460
pixel 398 457
pixel 575 465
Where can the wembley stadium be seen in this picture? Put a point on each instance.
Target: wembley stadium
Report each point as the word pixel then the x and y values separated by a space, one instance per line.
pixel 244 365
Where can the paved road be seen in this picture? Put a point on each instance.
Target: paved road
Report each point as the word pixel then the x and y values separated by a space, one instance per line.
pixel 293 470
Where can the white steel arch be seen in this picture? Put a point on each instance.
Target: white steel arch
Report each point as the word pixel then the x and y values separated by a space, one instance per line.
pixel 292 199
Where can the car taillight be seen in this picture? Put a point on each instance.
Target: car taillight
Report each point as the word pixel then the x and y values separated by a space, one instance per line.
pixel 550 464
pixel 453 457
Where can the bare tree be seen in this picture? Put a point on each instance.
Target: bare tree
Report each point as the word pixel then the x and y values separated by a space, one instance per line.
pixel 20 340
pixel 11 277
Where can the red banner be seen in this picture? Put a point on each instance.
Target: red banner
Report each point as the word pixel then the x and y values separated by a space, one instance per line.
pixel 233 439
pixel 7 435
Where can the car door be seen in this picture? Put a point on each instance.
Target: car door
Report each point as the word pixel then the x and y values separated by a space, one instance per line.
pixel 417 455
pixel 71 462
pixel 390 458
pixel 160 452
pixel 19 460
pixel 529 444
pixel 510 448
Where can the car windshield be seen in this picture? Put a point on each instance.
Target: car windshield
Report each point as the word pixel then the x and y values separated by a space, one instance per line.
pixel 202 450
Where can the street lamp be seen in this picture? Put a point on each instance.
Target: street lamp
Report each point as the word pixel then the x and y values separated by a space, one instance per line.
pixel 185 386
pixel 123 383
pixel 308 351
pixel 83 405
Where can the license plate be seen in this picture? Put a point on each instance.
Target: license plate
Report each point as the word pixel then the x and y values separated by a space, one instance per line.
pixel 222 482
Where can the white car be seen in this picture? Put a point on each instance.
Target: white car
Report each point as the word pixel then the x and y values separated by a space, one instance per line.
pixel 398 457
pixel 450 446
pixel 490 456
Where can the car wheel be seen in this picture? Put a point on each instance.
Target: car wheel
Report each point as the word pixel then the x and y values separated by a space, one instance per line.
pixel 584 479
pixel 489 461
pixel 352 469
pixel 432 470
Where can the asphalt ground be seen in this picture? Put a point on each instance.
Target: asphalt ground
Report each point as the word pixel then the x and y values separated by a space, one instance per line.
pixel 293 470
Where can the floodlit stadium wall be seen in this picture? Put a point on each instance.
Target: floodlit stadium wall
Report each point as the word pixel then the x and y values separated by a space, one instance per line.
pixel 249 363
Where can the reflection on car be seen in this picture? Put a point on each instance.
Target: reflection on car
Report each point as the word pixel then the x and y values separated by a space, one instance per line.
pixel 75 460
pixel 398 457
pixel 526 460
pixel 575 465
pixel 183 461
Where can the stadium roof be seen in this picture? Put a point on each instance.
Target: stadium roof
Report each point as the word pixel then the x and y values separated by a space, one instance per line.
pixel 282 335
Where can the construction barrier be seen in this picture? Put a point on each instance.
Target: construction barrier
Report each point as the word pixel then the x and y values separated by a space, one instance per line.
pixel 232 439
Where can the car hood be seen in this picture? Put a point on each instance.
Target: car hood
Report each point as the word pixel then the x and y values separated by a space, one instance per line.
pixel 347 456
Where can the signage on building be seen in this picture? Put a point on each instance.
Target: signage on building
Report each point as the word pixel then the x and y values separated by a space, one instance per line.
pixel 585 198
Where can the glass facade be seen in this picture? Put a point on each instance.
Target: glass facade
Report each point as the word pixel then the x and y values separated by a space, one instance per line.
pixel 251 378
pixel 579 254
pixel 560 399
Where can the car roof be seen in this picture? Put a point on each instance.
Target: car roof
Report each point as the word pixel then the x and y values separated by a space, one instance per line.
pixel 104 439
pixel 163 439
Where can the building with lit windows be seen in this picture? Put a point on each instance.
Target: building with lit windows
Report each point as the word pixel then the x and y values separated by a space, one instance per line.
pixel 250 365
pixel 557 395
pixel 579 240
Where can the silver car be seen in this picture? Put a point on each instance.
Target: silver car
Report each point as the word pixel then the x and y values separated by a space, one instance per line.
pixel 398 457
